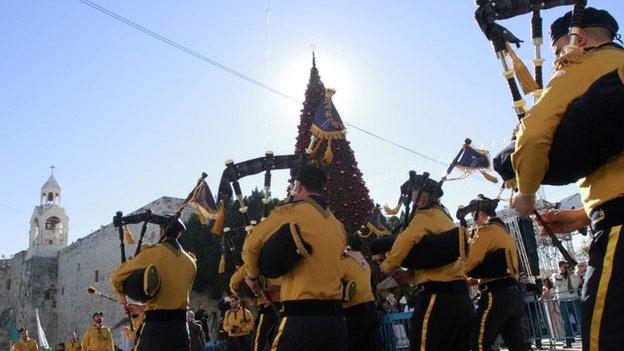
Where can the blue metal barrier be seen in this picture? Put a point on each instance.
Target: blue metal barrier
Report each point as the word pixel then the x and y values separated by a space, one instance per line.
pixel 554 318
pixel 219 345
pixel 546 320
pixel 394 331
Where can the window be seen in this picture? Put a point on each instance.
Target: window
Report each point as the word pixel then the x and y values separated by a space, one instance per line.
pixel 97 275
pixel 51 242
pixel 62 290
pixel 8 285
pixel 79 267
pixel 46 295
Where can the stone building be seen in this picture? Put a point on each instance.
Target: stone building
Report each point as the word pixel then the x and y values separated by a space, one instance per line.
pixel 53 276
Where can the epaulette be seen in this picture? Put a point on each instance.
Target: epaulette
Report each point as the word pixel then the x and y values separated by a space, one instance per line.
pixel 283 209
pixel 573 55
pixel 498 222
pixel 148 246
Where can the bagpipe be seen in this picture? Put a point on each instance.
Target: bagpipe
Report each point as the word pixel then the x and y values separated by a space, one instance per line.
pixel 590 132
pixel 433 250
pixel 143 284
pixel 468 159
pixel 229 188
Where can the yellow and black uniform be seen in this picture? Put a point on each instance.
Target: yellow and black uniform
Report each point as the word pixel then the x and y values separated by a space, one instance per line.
pixel 73 345
pixel 97 339
pixel 360 310
pixel 602 191
pixel 268 312
pixel 443 315
pixel 501 305
pixel 26 345
pixel 165 314
pixel 238 323
pixel 311 292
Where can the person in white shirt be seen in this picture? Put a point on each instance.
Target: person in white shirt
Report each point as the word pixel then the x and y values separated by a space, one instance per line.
pixel 566 284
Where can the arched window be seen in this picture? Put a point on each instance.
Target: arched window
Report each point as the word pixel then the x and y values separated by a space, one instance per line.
pixel 53 223
pixel 50 197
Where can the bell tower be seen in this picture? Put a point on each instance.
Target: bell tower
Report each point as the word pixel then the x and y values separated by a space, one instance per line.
pixel 49 224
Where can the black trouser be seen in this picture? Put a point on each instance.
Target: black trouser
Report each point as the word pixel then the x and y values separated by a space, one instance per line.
pixel 238 343
pixel 363 327
pixel 265 329
pixel 500 312
pixel 311 325
pixel 443 317
pixel 603 291
pixel 164 330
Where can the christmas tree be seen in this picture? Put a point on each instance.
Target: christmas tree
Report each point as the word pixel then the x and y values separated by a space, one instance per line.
pixel 346 191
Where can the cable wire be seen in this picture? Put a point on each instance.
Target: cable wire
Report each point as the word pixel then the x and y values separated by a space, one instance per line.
pixel 239 74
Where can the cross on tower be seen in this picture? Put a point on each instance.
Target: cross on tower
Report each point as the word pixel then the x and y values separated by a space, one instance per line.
pixel 52 167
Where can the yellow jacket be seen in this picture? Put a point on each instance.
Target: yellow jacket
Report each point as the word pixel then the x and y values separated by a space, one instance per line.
pixel 536 130
pixel 434 220
pixel 357 270
pixel 28 345
pixel 73 345
pixel 316 277
pixel 176 269
pixel 238 322
pixel 97 339
pixel 488 238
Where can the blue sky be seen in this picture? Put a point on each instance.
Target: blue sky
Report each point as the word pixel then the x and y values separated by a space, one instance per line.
pixel 127 119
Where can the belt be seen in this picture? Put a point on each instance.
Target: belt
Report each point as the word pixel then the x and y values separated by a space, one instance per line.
pixel 165 315
pixel 312 308
pixel 498 284
pixel 268 308
pixel 608 214
pixel 458 287
pixel 360 308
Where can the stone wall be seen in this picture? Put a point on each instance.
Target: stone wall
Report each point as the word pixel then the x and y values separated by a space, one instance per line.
pixel 26 284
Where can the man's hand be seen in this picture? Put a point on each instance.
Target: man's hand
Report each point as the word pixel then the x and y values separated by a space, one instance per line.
pixel 565 221
pixel 272 293
pixel 472 281
pixel 122 300
pixel 254 284
pixel 134 308
pixel 524 204
pixel 402 276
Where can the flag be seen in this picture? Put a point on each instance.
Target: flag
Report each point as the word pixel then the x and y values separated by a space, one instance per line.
pixel 203 202
pixel 476 160
pixel 327 126
pixel 13 332
pixel 43 342
pixel 374 223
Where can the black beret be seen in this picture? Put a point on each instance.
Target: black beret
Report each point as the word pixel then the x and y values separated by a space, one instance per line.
pixel 173 225
pixel 426 184
pixel 591 18
pixel 22 330
pixel 310 172
pixel 98 313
